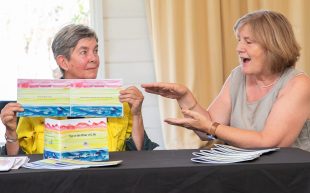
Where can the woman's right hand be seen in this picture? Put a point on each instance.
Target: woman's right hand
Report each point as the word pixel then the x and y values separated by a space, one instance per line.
pixel 176 91
pixel 8 115
pixel 169 90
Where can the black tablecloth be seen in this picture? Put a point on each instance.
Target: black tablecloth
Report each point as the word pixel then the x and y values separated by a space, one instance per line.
pixel 287 170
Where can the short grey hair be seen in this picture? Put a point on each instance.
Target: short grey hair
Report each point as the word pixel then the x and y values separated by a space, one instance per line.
pixel 68 37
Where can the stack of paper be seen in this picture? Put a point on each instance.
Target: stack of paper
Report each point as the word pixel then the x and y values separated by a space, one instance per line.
pixel 228 154
pixel 8 163
pixel 67 164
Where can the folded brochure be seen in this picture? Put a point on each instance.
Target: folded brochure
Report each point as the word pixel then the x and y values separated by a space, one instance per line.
pixel 222 154
pixel 67 164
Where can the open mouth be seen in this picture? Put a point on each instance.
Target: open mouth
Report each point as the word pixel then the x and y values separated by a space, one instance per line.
pixel 245 60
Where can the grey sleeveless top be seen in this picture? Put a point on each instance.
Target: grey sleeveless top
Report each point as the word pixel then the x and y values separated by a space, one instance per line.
pixel 252 116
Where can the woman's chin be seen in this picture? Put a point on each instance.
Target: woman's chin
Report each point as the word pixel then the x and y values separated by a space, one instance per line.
pixel 90 76
pixel 245 68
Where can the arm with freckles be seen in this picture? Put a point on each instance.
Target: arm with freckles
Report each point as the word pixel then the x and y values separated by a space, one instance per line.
pixel 218 111
pixel 284 123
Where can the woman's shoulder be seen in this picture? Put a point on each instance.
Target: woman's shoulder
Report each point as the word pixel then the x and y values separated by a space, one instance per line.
pixel 236 70
pixel 299 83
pixel 236 77
pixel 300 79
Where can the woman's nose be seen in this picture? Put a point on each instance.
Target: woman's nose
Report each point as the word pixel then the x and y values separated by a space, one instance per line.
pixel 93 57
pixel 240 47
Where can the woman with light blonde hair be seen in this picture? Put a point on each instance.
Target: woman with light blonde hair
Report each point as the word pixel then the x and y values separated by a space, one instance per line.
pixel 265 102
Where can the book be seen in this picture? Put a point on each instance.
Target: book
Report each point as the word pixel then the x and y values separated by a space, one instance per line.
pixel 69 97
pixel 83 139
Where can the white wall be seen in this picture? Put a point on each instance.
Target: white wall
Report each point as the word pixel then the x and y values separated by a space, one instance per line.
pixel 128 54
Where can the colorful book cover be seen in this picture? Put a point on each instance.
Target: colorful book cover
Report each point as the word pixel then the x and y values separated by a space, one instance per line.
pixel 82 139
pixel 69 97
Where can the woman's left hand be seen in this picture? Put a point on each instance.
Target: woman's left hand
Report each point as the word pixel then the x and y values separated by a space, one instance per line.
pixel 192 120
pixel 134 97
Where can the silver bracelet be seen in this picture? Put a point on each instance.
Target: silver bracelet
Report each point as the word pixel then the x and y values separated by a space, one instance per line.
pixel 10 140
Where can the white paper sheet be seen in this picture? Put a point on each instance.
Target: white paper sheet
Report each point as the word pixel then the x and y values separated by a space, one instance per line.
pixel 8 163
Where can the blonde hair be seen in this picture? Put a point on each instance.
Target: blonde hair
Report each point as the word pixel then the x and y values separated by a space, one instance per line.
pixel 274 33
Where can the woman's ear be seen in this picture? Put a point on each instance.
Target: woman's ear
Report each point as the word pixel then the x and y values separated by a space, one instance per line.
pixel 62 62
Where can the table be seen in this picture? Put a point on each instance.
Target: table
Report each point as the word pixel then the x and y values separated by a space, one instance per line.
pixel 161 171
